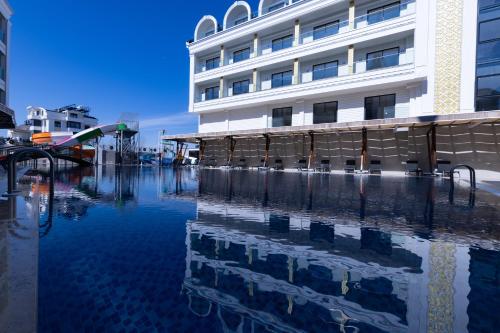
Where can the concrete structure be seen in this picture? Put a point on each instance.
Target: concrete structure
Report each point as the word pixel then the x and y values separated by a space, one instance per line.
pixel 346 69
pixel 7 119
pixel 70 118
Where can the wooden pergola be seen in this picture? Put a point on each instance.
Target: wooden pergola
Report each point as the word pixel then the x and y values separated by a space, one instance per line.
pixel 431 122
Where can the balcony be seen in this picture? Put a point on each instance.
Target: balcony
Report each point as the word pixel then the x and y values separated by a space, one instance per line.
pixel 389 70
pixel 380 19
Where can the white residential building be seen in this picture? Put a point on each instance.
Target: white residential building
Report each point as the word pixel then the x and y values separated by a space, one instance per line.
pixel 70 118
pixel 306 62
pixel 6 114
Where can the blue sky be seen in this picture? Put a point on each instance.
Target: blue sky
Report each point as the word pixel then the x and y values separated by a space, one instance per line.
pixel 116 56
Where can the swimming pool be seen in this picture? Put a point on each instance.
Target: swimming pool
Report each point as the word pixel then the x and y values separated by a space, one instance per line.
pixel 158 250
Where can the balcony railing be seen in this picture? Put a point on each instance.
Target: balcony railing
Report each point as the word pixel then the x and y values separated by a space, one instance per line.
pixel 405 8
pixel 361 66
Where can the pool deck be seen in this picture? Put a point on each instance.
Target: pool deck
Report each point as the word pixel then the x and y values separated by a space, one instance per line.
pixel 18 264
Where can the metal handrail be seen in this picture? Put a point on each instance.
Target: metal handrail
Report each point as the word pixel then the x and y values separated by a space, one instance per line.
pixel 12 171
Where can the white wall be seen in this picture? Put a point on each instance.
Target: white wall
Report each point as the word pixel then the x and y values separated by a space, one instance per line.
pixel 351 108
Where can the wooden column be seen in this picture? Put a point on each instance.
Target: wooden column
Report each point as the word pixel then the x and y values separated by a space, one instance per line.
pixel 364 149
pixel 311 151
pixel 232 147
pixel 432 144
pixel 203 145
pixel 268 146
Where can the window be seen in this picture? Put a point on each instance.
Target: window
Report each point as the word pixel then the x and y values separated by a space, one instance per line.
pixel 57 124
pixel 382 59
pixel 325 113
pixel 383 13
pixel 3 66
pixel 74 124
pixel 489 51
pixel 380 107
pixel 241 55
pixel 488 85
pixel 326 30
pixel 241 20
pixel 326 70
pixel 282 43
pixel 73 115
pixel 3 97
pixel 209 33
pixel 281 79
pixel 3 29
pixel 276 6
pixel 212 63
pixel 87 126
pixel 282 117
pixel 489 30
pixel 36 122
pixel 488 56
pixel 212 93
pixel 488 3
pixel 241 87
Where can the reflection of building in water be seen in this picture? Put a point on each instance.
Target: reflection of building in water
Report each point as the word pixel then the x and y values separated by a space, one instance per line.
pixel 271 257
pixel 266 269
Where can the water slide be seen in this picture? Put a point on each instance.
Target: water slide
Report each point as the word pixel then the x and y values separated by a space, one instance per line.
pixel 89 134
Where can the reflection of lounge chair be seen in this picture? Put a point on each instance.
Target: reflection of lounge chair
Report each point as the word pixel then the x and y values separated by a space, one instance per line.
pixel 212 163
pixel 444 168
pixel 324 166
pixel 278 164
pixel 375 167
pixel 302 165
pixel 262 165
pixel 242 164
pixel 412 167
pixel 350 166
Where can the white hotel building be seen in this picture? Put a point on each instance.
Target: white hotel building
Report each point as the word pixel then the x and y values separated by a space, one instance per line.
pixel 6 114
pixel 303 66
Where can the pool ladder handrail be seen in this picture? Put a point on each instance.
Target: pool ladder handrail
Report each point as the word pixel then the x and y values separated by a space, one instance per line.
pixel 473 185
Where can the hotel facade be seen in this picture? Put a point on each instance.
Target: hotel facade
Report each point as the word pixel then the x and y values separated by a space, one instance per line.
pixel 329 67
pixel 6 114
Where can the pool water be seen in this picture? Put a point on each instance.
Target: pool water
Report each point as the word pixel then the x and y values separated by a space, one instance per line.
pixel 158 250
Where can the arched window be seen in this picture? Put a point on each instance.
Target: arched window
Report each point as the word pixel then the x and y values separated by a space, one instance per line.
pixel 206 26
pixel 238 13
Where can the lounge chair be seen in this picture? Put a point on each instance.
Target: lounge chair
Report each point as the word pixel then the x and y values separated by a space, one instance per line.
pixel 242 164
pixel 262 165
pixel 212 163
pixel 350 166
pixel 444 168
pixel 278 164
pixel 324 166
pixel 302 165
pixel 412 167
pixel 375 167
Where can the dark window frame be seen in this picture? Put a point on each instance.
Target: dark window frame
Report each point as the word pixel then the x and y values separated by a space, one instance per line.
pixel 58 124
pixel 479 31
pixel 317 118
pixel 286 118
pixel 74 124
pixel 239 83
pixel 323 64
pixel 242 51
pixel 276 6
pixel 383 57
pixel 382 8
pixel 336 22
pixel 240 20
pixel 213 95
pixel 215 61
pixel 282 39
pixel 379 97
pixel 282 76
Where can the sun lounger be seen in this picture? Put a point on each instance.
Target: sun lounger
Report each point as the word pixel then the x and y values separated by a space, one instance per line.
pixel 350 166
pixel 302 165
pixel 413 168
pixel 242 164
pixel 324 166
pixel 375 167
pixel 278 164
